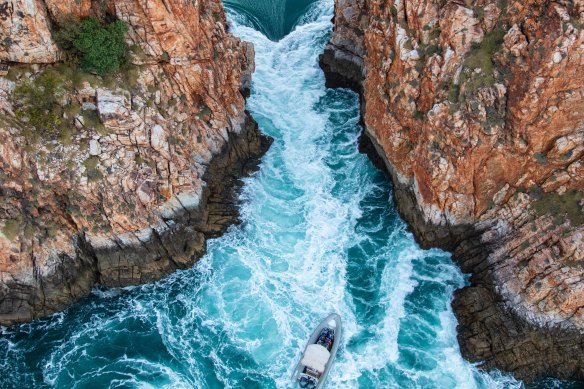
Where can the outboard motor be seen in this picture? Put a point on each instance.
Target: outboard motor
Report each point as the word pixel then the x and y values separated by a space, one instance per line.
pixel 306 382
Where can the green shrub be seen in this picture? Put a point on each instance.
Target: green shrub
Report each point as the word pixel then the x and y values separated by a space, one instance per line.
pixel 29 231
pixel 435 34
pixel 98 48
pixel 393 11
pixel 13 73
pixel 479 12
pixel 80 77
pixel 66 135
pixel 94 175
pixel 91 120
pixel 131 75
pixel 72 109
pixel 562 206
pixel 204 112
pixel 38 103
pixel 419 115
pixel 52 229
pixel 541 158
pixel 138 52
pixel 65 36
pixel 453 93
pixel 576 23
pixel 432 49
pixel 102 48
pixel 535 192
pixel 91 162
pixel 11 229
pixel 481 57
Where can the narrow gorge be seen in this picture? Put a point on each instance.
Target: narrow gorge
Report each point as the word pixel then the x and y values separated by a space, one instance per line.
pixel 186 190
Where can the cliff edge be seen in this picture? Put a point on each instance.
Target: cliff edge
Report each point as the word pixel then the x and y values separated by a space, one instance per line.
pixel 476 110
pixel 115 177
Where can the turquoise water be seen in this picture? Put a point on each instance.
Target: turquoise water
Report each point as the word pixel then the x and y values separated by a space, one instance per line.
pixel 320 234
pixel 274 18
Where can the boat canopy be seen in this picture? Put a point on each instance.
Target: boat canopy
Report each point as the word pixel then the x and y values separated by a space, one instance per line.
pixel 316 357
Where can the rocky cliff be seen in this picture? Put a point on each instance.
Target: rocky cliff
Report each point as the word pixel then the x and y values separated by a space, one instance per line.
pixel 139 167
pixel 477 111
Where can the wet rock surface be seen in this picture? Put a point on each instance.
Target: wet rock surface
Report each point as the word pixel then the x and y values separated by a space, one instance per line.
pixel 475 110
pixel 342 60
pixel 146 164
pixel 147 255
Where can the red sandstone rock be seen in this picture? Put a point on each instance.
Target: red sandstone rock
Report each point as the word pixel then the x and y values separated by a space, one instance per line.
pixel 125 201
pixel 466 123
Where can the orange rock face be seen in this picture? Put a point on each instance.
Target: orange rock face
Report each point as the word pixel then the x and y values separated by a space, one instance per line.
pixel 61 8
pixel 124 200
pixel 461 153
pixel 477 109
pixel 25 33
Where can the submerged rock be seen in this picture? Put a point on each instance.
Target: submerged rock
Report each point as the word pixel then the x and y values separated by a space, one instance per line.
pixel 474 109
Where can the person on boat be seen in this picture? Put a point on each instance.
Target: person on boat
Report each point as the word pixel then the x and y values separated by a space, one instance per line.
pixel 326 338
pixel 326 333
pixel 307 383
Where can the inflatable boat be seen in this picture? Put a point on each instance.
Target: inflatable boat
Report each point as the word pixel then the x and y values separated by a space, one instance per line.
pixel 319 354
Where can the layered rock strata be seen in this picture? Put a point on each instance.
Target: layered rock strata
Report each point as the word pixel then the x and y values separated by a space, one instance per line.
pixel 150 166
pixel 476 109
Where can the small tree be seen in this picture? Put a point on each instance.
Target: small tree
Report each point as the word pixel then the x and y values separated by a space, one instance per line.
pixel 98 48
pixel 69 30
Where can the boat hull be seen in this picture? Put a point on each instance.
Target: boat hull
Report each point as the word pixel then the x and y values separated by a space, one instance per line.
pixel 333 352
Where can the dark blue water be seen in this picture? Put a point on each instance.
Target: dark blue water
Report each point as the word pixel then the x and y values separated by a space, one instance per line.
pixel 273 18
pixel 320 234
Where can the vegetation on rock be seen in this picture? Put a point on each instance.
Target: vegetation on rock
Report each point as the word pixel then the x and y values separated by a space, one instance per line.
pixel 568 205
pixel 39 104
pixel 11 228
pixel 45 103
pixel 479 66
pixel 98 48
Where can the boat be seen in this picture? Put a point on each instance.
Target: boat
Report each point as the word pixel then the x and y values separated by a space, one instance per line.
pixel 319 354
